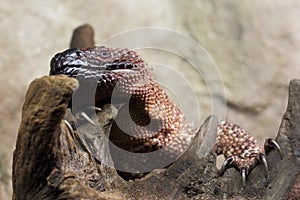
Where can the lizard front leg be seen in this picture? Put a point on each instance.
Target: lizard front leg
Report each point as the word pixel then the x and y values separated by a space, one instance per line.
pixel 241 150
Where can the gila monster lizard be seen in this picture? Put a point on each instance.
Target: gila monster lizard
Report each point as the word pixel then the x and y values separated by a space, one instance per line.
pixel 157 122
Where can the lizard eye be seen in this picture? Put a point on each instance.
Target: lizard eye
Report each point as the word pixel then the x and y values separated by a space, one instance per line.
pixel 104 53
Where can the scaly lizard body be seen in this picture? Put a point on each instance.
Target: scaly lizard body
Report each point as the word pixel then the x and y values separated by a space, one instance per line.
pixel 149 121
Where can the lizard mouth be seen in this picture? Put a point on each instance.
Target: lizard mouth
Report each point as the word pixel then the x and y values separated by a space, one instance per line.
pixel 119 66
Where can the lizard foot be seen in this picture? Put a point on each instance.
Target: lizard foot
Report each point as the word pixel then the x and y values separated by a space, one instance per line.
pixel 241 150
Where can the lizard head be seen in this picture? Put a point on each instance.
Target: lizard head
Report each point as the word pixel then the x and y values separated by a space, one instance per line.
pixel 107 69
pixel 95 60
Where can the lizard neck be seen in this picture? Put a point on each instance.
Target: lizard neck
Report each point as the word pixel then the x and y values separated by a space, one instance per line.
pixel 156 122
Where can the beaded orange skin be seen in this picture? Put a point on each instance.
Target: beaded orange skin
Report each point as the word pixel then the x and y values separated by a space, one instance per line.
pixel 241 150
pixel 154 122
pixel 150 121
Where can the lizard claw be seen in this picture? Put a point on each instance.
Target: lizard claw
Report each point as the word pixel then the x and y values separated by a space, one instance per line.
pixel 271 144
pixel 225 165
pixel 264 161
pixel 86 117
pixel 95 108
pixel 244 177
pixel 69 127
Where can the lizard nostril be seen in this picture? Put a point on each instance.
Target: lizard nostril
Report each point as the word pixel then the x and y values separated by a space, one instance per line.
pixel 78 52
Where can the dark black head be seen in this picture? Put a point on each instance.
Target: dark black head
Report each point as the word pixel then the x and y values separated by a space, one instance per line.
pixel 67 59
pixel 73 61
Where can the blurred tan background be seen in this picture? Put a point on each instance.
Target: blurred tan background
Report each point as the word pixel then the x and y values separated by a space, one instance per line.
pixel 253 43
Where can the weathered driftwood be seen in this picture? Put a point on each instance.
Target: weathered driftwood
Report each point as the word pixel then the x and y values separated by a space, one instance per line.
pixel 50 162
pixel 83 36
